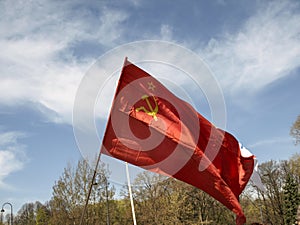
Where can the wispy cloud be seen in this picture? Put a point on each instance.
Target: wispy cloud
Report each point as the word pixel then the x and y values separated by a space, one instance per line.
pixel 42 44
pixel 39 40
pixel 264 49
pixel 12 155
pixel 166 32
pixel 271 141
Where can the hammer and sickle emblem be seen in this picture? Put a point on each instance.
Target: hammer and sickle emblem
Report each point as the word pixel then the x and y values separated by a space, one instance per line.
pixel 151 112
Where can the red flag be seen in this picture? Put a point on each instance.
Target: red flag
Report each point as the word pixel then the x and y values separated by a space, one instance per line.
pixel 152 128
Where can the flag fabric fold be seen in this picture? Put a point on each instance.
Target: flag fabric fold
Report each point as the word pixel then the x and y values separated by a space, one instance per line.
pixel 150 127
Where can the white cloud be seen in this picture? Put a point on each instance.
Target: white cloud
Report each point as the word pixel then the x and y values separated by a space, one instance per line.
pixel 12 155
pixel 136 2
pixel 271 142
pixel 166 32
pixel 37 60
pixel 265 49
pixel 39 63
pixel 109 26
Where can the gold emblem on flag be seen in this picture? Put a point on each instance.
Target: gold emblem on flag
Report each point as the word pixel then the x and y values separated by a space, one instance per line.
pixel 150 111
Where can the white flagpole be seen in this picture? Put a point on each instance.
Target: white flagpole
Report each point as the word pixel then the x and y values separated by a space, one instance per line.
pixel 130 194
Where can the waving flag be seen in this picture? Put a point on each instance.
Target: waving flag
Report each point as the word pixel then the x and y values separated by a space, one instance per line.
pixel 152 128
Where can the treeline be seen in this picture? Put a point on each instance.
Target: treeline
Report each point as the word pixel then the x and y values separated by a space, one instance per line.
pixel 160 200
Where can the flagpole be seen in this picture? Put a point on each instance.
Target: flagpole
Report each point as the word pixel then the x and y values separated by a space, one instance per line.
pixel 90 190
pixel 130 194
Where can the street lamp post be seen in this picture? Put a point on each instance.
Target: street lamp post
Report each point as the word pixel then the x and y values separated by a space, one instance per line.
pixel 11 212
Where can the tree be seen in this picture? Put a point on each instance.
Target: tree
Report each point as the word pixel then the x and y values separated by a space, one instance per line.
pixel 70 192
pixel 27 215
pixel 294 167
pixel 272 176
pixel 201 208
pixel 162 200
pixel 42 216
pixel 291 199
pixel 291 189
pixel 295 130
pixel 147 195
pixel 279 203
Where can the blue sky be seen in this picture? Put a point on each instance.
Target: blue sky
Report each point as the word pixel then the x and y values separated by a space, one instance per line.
pixel 251 47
